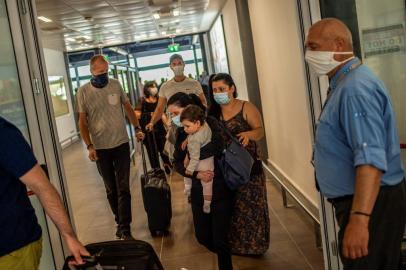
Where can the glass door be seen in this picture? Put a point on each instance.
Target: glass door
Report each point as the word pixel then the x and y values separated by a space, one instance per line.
pixel 15 108
pixel 26 102
pixel 382 38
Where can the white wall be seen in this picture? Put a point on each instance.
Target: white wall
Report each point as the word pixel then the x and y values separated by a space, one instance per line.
pixel 55 64
pixel 234 50
pixel 281 74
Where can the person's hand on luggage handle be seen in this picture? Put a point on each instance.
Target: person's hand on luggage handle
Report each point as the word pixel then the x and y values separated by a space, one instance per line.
pixel 139 135
pixel 205 176
pixel 76 249
pixel 92 153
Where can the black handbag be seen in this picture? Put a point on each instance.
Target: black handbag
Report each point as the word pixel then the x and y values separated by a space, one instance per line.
pixel 236 163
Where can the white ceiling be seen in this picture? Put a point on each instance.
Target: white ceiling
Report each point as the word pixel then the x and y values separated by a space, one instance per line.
pixel 82 24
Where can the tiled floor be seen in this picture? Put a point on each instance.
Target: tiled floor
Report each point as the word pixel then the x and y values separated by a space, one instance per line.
pixel 292 237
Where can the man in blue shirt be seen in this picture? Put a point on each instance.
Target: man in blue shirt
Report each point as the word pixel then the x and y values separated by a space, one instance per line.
pixel 20 233
pixel 357 154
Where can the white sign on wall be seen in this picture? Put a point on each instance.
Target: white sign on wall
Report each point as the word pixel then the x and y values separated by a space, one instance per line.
pixel 383 40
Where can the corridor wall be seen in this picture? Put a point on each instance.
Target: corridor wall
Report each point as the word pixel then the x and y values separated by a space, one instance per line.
pixel 281 73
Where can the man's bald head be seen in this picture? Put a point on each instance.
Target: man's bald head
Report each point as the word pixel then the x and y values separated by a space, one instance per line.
pixel 329 35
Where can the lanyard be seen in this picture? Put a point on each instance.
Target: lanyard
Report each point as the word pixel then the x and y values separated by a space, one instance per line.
pixel 337 82
pixel 330 90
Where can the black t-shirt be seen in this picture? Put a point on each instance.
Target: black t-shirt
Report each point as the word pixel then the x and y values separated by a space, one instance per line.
pixel 147 108
pixel 18 223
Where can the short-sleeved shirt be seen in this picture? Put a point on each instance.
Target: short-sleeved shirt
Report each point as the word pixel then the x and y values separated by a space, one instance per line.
pixel 18 223
pixel 357 127
pixel 105 114
pixel 188 86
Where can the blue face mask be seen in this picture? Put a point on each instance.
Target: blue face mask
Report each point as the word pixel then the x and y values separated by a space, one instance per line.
pixel 100 81
pixel 221 98
pixel 176 120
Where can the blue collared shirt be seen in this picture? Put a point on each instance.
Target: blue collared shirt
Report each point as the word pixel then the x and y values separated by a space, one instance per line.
pixel 357 127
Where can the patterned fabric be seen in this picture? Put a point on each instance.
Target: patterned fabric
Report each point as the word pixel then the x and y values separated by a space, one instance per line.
pixel 250 225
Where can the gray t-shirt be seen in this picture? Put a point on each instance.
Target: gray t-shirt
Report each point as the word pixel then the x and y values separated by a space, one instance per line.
pixel 188 86
pixel 105 115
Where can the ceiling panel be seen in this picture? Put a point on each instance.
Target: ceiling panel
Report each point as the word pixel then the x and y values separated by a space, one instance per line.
pixel 93 23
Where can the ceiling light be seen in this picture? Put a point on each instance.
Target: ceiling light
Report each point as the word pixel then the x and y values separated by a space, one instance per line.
pixel 70 39
pixel 152 35
pixel 178 31
pixel 176 13
pixel 87 37
pixel 44 19
pixel 156 16
pixel 163 33
pixel 69 48
pixel 194 29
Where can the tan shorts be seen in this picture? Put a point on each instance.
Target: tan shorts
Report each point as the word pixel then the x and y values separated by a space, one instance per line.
pixel 25 258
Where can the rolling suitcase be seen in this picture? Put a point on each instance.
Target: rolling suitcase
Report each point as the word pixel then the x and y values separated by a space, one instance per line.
pixel 156 194
pixel 128 255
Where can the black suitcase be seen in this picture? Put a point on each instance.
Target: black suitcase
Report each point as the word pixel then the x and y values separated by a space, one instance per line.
pixel 156 194
pixel 128 255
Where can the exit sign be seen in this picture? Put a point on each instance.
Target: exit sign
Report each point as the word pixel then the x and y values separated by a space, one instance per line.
pixel 173 47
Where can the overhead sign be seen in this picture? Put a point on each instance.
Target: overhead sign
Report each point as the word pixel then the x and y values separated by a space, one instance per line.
pixel 383 40
pixel 174 47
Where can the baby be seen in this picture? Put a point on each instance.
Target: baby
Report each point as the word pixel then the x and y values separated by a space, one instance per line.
pixel 193 121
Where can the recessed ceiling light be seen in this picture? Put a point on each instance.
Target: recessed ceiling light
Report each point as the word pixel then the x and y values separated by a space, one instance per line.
pixel 178 31
pixel 194 28
pixel 156 16
pixel 153 34
pixel 163 33
pixel 44 19
pixel 70 39
pixel 176 13
pixel 87 37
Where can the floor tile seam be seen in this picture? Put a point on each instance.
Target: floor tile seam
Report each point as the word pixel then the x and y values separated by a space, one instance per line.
pixel 291 237
pixel 187 256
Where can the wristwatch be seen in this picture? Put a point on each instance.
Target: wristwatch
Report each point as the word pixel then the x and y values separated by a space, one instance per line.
pixel 89 145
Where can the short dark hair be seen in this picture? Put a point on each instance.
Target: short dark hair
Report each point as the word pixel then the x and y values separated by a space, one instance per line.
pixel 182 100
pixel 193 113
pixel 175 56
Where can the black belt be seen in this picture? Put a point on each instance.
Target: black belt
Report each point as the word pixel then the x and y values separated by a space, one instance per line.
pixel 349 197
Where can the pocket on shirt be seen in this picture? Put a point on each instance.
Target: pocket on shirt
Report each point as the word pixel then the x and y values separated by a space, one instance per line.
pixel 113 99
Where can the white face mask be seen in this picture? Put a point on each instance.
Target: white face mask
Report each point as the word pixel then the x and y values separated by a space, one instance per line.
pixel 178 70
pixel 153 91
pixel 323 62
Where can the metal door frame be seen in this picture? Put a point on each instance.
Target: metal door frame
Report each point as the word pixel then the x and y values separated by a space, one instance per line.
pixel 38 105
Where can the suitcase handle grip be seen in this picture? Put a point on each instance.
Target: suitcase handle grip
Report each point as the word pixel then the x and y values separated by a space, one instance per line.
pixel 88 262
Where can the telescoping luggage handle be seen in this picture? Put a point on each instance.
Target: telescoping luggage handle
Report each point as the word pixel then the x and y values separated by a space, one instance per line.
pixel 156 150
pixel 144 160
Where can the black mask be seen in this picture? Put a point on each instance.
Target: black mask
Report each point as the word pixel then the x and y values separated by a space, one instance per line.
pixel 100 81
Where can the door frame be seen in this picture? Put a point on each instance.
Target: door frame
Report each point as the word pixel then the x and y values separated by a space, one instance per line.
pixel 38 105
pixel 309 12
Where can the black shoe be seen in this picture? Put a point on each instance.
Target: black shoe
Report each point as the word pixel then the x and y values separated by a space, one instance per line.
pixel 189 199
pixel 126 235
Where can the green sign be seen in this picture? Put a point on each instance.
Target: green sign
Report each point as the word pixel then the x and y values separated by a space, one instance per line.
pixel 173 47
